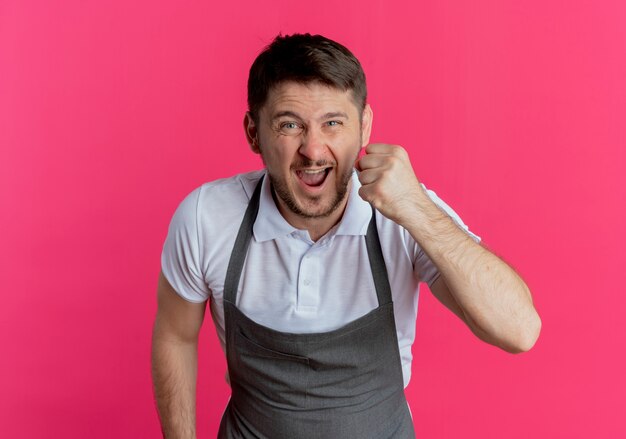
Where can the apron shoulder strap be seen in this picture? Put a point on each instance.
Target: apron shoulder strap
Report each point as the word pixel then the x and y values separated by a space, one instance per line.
pixel 240 249
pixel 377 263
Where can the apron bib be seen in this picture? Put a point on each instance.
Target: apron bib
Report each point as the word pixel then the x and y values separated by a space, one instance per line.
pixel 345 383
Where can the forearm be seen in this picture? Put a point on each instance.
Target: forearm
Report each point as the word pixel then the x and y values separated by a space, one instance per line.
pixel 494 300
pixel 491 298
pixel 174 373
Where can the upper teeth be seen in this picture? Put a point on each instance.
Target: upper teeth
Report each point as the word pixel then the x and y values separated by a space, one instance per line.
pixel 313 171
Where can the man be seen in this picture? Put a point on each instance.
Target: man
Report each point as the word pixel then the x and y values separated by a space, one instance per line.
pixel 312 267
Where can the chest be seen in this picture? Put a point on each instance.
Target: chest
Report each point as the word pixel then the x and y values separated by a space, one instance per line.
pixel 290 284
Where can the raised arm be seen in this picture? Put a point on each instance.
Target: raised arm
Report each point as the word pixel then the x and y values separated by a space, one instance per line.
pixel 175 361
pixel 475 284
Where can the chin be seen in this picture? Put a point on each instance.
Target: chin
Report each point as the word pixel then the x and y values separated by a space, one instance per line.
pixel 319 207
pixel 320 212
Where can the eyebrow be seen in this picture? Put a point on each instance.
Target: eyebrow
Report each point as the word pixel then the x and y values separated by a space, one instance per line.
pixel 286 113
pixel 335 114
pixel 330 115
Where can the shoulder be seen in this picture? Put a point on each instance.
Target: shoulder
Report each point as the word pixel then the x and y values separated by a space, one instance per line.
pixel 221 199
pixel 220 204
pixel 220 207
pixel 218 198
pixel 214 207
pixel 228 191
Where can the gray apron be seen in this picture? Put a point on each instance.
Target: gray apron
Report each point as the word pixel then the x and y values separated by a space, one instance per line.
pixel 345 383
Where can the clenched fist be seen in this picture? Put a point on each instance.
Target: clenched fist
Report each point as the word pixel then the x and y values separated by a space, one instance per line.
pixel 388 181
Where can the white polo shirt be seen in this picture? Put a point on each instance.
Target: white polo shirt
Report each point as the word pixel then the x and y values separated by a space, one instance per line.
pixel 290 283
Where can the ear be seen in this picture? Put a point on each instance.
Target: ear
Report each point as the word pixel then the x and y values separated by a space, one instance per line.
pixel 366 125
pixel 252 134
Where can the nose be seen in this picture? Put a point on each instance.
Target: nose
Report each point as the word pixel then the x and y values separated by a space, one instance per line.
pixel 313 145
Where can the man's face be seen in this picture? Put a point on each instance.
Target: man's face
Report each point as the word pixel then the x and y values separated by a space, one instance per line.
pixel 309 136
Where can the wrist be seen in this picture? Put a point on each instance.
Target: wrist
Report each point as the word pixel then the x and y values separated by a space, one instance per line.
pixel 429 224
pixel 419 210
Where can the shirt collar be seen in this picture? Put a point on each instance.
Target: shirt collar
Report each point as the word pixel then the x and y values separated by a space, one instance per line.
pixel 270 224
pixel 358 212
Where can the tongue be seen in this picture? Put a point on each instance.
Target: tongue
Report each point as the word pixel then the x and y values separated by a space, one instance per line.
pixel 314 179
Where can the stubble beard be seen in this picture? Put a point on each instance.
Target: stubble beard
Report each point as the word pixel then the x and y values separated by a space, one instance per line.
pixel 281 189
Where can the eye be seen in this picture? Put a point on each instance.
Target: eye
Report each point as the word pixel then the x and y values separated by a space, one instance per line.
pixel 288 126
pixel 334 123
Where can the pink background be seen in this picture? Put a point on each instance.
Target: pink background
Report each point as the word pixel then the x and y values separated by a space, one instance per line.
pixel 111 112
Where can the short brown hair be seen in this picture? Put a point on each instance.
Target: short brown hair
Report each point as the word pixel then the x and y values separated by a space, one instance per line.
pixel 305 58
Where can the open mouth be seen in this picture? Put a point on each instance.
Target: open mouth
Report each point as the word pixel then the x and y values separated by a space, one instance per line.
pixel 313 177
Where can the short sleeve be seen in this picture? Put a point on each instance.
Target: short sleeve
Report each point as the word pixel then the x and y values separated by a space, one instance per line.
pixel 425 270
pixel 181 259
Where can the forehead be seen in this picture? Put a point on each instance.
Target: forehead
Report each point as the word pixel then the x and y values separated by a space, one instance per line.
pixel 308 100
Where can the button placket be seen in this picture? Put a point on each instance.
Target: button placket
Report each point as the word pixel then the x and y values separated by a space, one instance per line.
pixel 308 282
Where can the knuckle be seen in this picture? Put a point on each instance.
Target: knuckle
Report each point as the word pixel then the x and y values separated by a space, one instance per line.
pixel 377 192
pixel 399 151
